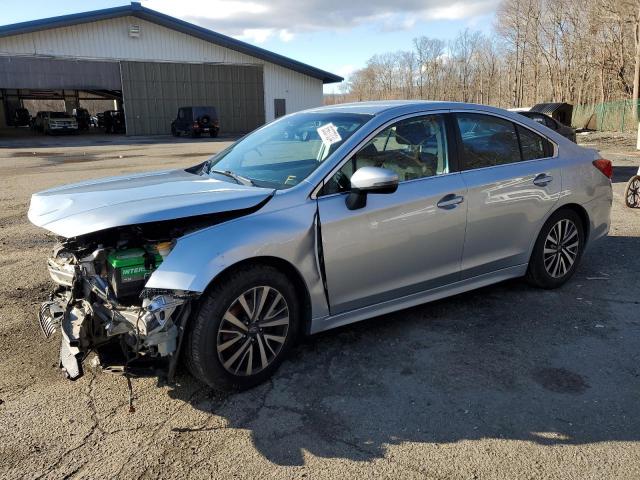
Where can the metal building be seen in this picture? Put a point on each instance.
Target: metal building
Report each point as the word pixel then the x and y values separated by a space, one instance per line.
pixel 152 63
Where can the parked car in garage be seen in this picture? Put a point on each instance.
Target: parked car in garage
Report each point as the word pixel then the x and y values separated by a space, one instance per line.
pixel 114 121
pixel 82 117
pixel 547 121
pixel 389 205
pixel 37 122
pixel 58 122
pixel 21 117
pixel 196 121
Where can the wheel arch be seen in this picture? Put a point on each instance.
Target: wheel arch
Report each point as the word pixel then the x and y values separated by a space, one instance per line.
pixel 578 209
pixel 582 213
pixel 286 267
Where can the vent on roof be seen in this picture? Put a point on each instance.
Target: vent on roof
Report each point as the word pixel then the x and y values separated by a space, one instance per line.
pixel 134 31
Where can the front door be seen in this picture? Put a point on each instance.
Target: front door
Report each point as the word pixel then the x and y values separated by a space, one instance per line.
pixel 400 243
pixel 512 183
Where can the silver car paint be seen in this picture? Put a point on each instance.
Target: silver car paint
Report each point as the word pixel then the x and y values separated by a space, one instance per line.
pixel 94 205
pixel 286 227
pixel 399 244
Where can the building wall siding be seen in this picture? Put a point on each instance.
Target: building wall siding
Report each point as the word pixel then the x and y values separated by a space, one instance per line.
pixel 109 39
pixel 153 92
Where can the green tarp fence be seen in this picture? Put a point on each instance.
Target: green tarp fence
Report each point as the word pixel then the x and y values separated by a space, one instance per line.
pixel 612 116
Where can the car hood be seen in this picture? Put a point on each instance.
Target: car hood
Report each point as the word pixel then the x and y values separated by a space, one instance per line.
pixel 95 205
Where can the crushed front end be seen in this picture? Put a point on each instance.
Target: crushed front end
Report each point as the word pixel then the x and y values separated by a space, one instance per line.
pixel 100 304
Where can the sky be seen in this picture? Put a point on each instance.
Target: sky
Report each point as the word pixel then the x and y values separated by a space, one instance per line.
pixel 335 35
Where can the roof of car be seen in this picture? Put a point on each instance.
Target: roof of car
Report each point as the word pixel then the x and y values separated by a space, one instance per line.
pixel 137 10
pixel 402 106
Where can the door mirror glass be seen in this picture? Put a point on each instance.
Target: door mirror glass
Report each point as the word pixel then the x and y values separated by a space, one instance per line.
pixel 370 180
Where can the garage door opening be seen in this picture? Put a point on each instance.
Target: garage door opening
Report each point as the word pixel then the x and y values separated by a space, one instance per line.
pixel 34 91
pixel 148 93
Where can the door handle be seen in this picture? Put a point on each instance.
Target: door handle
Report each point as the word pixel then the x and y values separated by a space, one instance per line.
pixel 542 180
pixel 450 201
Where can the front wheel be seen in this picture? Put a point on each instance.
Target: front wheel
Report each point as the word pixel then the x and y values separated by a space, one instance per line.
pixel 246 324
pixel 632 192
pixel 557 251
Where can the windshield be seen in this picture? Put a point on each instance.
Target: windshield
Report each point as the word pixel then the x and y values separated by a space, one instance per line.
pixel 285 152
pixel 58 115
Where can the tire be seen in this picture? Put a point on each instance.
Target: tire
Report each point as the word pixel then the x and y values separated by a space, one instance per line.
pixel 551 270
pixel 213 133
pixel 174 132
pixel 210 330
pixel 195 134
pixel 632 192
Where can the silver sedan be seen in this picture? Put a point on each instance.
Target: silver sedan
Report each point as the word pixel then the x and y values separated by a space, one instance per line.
pixel 319 219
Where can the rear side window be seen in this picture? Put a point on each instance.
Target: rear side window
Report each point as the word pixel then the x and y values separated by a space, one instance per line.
pixel 533 145
pixel 487 141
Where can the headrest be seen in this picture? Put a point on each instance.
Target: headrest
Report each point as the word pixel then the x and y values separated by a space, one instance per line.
pixel 414 133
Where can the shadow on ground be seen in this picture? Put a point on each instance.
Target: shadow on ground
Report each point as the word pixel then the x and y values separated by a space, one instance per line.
pixel 508 361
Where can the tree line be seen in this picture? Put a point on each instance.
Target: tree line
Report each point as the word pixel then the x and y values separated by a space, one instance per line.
pixel 575 51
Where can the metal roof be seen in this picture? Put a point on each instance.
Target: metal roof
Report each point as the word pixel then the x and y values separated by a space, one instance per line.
pixel 137 10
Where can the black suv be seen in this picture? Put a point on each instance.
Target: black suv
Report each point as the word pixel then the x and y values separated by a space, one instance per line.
pixel 195 121
pixel 114 121
pixel 82 117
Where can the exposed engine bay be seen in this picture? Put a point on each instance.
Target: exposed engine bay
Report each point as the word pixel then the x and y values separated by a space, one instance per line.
pixel 101 304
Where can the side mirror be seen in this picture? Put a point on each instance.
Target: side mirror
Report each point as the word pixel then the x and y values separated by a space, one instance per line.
pixel 367 180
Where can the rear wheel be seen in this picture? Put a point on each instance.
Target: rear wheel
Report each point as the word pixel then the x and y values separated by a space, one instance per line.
pixel 557 251
pixel 174 132
pixel 632 192
pixel 213 132
pixel 246 324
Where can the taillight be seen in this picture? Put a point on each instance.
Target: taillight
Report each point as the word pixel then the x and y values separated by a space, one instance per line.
pixel 605 166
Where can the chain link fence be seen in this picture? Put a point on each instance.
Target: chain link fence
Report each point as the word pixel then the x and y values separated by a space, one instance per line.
pixel 612 116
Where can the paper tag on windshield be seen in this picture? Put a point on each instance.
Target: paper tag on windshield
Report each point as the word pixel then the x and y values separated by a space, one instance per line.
pixel 329 134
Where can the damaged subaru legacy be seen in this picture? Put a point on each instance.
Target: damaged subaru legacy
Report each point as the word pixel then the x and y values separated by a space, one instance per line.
pixel 318 219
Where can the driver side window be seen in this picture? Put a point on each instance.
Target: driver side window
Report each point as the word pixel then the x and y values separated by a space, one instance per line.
pixel 412 148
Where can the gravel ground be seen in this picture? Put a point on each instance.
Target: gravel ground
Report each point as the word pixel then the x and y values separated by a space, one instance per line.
pixel 503 382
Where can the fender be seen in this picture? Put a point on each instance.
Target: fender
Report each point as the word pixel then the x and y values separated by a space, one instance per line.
pixel 288 234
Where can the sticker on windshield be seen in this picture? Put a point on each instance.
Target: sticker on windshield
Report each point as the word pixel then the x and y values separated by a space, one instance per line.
pixel 329 134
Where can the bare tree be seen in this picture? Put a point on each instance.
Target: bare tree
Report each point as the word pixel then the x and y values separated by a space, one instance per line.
pixel 578 51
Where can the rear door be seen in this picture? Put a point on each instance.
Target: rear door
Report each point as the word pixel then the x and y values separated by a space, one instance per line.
pixel 400 243
pixel 513 181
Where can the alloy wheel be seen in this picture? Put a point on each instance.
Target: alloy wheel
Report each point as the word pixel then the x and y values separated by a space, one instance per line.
pixel 561 248
pixel 253 331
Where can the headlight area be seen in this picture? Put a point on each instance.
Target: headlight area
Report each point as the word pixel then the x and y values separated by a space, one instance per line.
pixel 100 305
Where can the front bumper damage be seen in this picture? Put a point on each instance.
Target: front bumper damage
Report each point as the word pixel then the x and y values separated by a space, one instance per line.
pixel 126 338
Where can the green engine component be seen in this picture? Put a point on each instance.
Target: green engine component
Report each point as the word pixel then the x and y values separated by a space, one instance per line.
pixel 129 269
